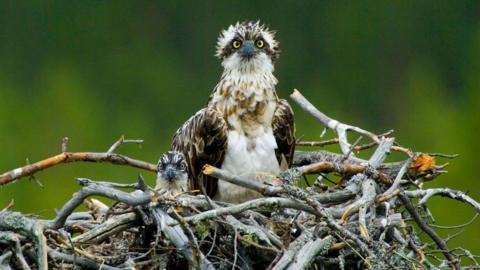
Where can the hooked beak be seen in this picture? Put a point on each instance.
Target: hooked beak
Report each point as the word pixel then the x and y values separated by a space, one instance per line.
pixel 170 174
pixel 248 49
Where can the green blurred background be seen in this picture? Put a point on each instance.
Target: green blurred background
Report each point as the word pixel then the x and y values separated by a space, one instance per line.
pixel 93 70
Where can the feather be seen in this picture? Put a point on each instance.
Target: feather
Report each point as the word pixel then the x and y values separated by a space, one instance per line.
pixel 284 131
pixel 202 140
pixel 245 128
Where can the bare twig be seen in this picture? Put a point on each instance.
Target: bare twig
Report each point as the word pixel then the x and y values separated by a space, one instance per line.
pixel 309 251
pixel 340 128
pixel 14 239
pixel 179 239
pixel 66 157
pixel 431 233
pixel 4 260
pixel 78 260
pixel 396 182
pixel 335 141
pixel 235 252
pixel 457 226
pixel 270 203
pixel 425 194
pixel 64 144
pixel 242 181
pixel 107 229
pixel 14 221
pixel 91 188
pixel 293 249
pixel 121 141
pixel 320 143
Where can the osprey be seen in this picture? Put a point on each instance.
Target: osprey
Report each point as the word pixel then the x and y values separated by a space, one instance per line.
pixel 245 128
pixel 172 173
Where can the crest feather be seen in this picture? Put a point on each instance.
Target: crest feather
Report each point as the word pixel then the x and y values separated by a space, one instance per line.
pixel 243 30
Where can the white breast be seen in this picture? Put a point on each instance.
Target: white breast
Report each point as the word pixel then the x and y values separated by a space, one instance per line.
pixel 250 157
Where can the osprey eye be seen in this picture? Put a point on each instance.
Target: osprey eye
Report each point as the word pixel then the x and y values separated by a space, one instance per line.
pixel 236 44
pixel 260 43
pixel 160 166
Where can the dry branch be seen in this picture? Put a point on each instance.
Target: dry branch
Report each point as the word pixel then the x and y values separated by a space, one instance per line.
pixel 340 128
pixel 66 157
pixel 358 223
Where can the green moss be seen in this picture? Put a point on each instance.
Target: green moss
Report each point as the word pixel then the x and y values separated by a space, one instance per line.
pixel 250 238
pixel 202 229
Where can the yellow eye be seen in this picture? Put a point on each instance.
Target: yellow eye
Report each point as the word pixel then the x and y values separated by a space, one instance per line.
pixel 260 43
pixel 236 44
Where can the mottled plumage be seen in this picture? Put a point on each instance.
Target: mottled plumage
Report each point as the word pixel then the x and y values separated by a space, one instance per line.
pixel 245 128
pixel 202 140
pixel 172 173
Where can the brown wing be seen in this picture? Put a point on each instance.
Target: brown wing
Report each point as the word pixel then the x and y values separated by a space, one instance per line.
pixel 202 140
pixel 284 131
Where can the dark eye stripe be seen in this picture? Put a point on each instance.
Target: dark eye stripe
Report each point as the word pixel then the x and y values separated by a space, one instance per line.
pixel 171 158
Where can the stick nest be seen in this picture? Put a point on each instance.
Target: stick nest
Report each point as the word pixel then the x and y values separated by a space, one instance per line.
pixel 328 211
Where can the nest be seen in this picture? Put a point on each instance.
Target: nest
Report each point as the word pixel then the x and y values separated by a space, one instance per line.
pixel 369 217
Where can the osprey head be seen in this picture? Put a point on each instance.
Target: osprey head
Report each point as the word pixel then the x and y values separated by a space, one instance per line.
pixel 247 46
pixel 172 172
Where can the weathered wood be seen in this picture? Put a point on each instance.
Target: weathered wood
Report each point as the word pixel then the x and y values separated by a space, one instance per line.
pixel 357 222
